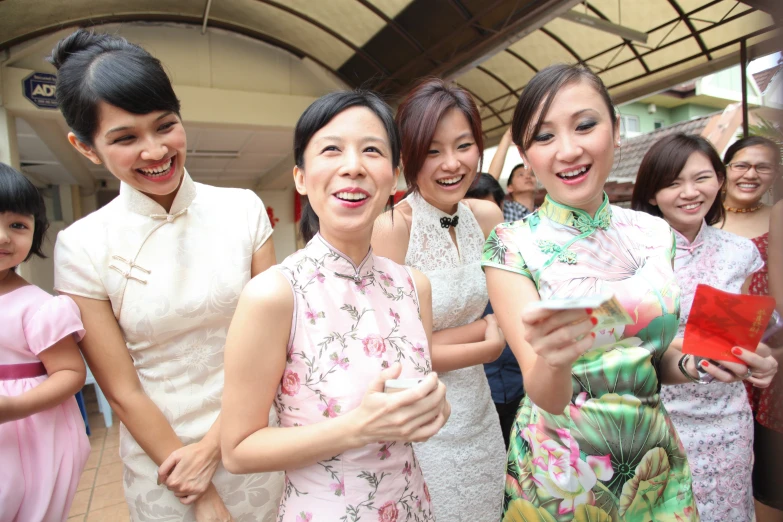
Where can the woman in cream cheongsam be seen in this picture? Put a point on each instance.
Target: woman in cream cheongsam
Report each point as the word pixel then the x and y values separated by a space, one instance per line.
pixel 157 274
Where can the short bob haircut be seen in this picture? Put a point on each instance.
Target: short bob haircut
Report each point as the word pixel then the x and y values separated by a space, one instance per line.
pixel 19 195
pixel 664 162
pixel 94 68
pixel 540 92
pixel 485 186
pixel 318 115
pixel 418 116
pixel 752 141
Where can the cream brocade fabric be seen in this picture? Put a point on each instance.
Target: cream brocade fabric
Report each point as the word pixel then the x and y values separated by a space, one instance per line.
pixel 173 280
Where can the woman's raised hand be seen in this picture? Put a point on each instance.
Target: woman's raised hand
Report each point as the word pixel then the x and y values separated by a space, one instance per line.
pixel 559 337
pixel 411 415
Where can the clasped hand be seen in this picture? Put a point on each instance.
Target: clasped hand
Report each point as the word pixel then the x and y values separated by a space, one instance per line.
pixel 188 471
pixel 412 415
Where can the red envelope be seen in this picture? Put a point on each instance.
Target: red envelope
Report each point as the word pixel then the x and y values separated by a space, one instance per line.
pixel 720 321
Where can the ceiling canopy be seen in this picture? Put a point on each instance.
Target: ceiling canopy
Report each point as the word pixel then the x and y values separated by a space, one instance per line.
pixel 490 47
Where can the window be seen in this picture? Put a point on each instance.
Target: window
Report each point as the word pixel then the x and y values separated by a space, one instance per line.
pixel 658 124
pixel 629 126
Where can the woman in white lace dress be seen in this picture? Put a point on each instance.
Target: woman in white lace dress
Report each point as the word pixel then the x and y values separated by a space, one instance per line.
pixel 433 231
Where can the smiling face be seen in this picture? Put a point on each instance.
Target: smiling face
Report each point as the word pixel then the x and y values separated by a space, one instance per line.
pixel 745 189
pixel 16 239
pixel 573 150
pixel 146 151
pixel 451 163
pixel 347 173
pixel 685 202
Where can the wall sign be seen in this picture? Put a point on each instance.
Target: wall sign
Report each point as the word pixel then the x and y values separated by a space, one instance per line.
pixel 39 88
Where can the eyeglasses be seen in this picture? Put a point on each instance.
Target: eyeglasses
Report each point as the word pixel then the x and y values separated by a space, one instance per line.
pixel 761 168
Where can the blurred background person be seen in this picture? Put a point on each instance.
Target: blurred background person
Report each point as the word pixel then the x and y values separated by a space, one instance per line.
pixel 521 184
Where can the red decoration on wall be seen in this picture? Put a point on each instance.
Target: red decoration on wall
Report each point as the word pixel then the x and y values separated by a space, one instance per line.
pixel 272 219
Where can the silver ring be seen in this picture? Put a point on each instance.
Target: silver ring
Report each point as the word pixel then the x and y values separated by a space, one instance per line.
pixel 748 375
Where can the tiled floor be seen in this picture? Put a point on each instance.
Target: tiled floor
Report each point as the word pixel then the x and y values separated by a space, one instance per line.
pixel 99 497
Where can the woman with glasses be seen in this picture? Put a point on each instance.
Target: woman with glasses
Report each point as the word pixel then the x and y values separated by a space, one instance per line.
pixel 753 166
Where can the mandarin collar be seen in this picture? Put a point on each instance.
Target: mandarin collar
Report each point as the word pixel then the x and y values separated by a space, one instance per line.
pixel 139 203
pixel 576 217
pixel 689 247
pixel 340 264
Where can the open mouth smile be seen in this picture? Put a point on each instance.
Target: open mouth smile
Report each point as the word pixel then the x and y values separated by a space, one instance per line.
pixel 160 172
pixel 575 175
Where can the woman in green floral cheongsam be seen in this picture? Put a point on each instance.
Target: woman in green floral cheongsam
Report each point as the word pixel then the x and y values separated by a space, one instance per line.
pixel 592 441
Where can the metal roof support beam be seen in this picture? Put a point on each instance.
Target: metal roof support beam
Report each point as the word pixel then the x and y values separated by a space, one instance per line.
pixel 744 88
pixel 536 19
pixel 717 64
pixel 206 17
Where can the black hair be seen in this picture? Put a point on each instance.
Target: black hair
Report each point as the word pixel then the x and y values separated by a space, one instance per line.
pixel 751 141
pixel 513 171
pixel 541 90
pixel 662 165
pixel 19 195
pixel 485 185
pixel 100 67
pixel 318 115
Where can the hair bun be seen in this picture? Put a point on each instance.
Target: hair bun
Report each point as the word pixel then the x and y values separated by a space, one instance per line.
pixel 78 41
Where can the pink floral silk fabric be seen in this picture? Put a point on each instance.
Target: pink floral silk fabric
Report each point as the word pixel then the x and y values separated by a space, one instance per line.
pixel 714 422
pixel 350 322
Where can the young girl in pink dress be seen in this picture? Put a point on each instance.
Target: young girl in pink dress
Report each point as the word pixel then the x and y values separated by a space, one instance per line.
pixel 43 444
pixel 319 335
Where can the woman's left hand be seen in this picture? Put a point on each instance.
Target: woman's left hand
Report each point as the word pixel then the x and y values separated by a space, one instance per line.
pixel 759 368
pixel 188 471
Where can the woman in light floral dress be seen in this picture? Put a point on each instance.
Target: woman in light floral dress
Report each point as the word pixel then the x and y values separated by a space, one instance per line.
pixel 679 179
pixel 356 320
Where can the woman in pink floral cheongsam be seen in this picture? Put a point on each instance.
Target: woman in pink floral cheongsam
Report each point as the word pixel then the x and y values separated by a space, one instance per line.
pixel 356 320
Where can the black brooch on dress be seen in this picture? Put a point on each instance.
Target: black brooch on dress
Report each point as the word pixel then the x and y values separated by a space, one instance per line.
pixel 446 222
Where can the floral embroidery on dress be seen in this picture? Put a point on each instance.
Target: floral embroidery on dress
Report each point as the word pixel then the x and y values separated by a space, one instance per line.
pixel 715 423
pixel 350 323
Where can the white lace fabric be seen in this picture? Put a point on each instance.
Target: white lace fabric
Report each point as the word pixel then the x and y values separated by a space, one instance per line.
pixel 465 463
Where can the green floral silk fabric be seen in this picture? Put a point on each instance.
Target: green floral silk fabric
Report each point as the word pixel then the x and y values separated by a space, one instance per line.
pixel 613 454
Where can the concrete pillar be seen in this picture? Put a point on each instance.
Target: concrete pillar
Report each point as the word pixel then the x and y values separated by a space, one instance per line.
pixel 9 148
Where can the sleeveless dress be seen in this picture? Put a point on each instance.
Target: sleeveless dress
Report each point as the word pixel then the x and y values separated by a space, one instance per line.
pixel 42 455
pixel 349 323
pixel 613 454
pixel 767 405
pixel 714 422
pixel 173 280
pixel 464 464
pixel 764 400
